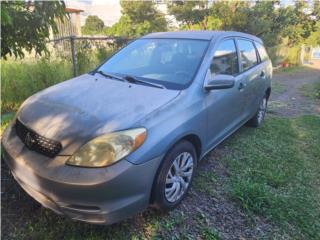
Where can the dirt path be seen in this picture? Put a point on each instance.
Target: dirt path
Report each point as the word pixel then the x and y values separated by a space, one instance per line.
pixel 287 99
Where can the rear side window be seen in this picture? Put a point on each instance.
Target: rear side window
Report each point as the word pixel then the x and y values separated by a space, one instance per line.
pixel 248 55
pixel 262 52
pixel 225 60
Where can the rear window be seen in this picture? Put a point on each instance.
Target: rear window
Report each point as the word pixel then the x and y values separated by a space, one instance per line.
pixel 248 54
pixel 262 52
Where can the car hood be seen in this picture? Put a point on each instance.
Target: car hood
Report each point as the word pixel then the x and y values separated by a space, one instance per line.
pixel 75 111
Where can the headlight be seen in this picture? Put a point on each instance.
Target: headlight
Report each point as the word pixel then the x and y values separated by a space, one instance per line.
pixel 108 149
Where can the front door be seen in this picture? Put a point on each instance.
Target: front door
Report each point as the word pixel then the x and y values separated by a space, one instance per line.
pixel 225 107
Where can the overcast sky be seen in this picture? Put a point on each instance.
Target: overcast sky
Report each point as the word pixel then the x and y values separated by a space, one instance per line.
pixel 108 10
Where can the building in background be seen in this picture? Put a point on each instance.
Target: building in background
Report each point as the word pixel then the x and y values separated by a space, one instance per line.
pixel 70 26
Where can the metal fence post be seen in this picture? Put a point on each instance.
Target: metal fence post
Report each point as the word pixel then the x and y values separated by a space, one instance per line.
pixel 73 56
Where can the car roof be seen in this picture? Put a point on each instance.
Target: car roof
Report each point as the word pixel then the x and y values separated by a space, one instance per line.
pixel 201 35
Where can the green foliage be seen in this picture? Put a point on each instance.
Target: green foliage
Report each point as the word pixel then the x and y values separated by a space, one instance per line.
pixel 232 14
pixel 266 21
pixel 138 18
pixel 26 25
pixel 93 25
pixel 89 56
pixel 274 172
pixel 189 12
pixel 314 38
pixel 84 58
pixel 103 54
pixel 22 79
pixel 278 27
pixel 300 25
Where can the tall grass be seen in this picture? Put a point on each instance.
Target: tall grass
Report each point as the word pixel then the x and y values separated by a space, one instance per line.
pixel 21 79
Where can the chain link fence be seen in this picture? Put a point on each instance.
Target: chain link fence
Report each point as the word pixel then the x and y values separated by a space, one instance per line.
pixel 85 52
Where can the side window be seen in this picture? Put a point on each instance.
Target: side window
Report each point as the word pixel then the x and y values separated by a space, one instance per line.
pixel 225 60
pixel 262 52
pixel 248 54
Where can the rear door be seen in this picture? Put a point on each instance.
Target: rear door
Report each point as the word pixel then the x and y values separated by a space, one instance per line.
pixel 250 71
pixel 265 68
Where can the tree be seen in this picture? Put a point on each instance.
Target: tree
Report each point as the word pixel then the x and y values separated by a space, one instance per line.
pixel 26 25
pixel 261 18
pixel 303 22
pixel 138 18
pixel 93 25
pixel 189 12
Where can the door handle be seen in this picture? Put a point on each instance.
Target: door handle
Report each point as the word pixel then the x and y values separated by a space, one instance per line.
pixel 263 74
pixel 241 86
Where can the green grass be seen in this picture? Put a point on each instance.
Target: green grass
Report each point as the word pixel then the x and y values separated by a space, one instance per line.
pixel 205 182
pixel 20 79
pixel 210 234
pixel 274 172
pixel 278 87
pixel 311 90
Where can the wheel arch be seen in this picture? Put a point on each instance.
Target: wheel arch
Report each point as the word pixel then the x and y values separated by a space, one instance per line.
pixel 194 139
pixel 268 92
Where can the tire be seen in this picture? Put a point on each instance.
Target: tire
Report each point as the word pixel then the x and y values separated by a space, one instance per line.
pixel 258 118
pixel 184 156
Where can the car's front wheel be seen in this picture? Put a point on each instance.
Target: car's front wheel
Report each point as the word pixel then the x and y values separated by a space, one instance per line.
pixel 175 176
pixel 258 118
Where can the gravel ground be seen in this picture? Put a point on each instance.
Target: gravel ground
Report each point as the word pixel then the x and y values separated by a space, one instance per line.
pixel 207 206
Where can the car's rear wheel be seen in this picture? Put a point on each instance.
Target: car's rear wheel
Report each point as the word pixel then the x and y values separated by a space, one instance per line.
pixel 175 176
pixel 258 118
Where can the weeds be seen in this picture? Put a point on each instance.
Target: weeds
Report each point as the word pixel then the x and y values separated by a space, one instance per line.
pixel 22 79
pixel 275 173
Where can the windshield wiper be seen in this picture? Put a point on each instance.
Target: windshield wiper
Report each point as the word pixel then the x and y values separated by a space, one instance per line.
pixel 133 79
pixel 109 75
pixel 129 78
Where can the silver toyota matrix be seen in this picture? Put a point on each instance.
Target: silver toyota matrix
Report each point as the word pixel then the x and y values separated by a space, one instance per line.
pixel 104 145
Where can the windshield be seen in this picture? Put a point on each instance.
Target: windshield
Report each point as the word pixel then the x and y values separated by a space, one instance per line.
pixel 169 62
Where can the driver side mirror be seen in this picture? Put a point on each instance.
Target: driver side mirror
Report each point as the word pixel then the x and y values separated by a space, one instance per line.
pixel 219 81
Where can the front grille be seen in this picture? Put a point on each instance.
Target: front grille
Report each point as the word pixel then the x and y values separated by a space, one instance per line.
pixel 35 142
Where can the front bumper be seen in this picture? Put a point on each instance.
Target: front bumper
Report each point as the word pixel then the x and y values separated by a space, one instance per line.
pixel 95 195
